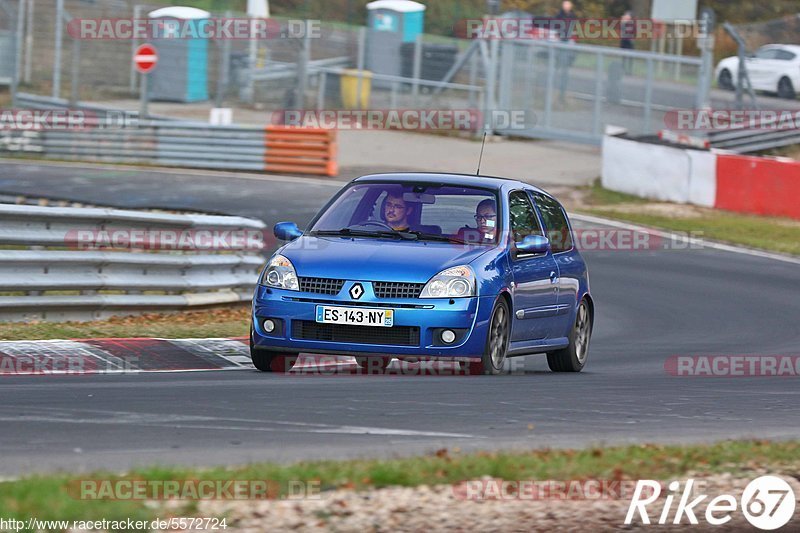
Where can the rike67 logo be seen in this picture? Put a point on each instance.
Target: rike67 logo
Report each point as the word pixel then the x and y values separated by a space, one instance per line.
pixel 767 502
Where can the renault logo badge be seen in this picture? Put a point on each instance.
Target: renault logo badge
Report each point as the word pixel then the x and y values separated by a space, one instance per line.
pixel 356 291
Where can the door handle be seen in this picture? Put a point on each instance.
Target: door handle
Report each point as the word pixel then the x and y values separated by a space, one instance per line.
pixel 553 277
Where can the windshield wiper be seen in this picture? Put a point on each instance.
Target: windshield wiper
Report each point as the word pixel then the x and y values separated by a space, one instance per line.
pixel 421 235
pixel 347 232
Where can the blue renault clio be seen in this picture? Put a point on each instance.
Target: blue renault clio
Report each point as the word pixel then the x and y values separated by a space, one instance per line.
pixel 421 265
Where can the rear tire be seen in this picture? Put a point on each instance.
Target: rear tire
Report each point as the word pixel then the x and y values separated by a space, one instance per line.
pixel 268 361
pixel 494 354
pixel 573 357
pixel 786 89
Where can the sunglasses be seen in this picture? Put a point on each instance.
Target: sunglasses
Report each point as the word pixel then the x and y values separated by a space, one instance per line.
pixel 478 218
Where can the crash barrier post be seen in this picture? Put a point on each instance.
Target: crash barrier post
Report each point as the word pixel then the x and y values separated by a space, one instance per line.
pixel 300 150
pixel 72 263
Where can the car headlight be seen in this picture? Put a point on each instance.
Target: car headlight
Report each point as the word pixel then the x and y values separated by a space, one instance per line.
pixel 280 273
pixel 456 282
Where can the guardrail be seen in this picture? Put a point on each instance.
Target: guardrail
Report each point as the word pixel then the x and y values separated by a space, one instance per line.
pixel 35 101
pixel 744 139
pixel 765 136
pixel 280 70
pixel 175 261
pixel 186 144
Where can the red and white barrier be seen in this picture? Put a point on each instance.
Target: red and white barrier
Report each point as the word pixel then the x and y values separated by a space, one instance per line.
pixel 746 184
pixel 764 186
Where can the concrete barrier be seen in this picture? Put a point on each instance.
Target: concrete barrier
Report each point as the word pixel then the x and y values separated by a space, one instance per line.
pixel 745 184
pixel 758 185
pixel 659 172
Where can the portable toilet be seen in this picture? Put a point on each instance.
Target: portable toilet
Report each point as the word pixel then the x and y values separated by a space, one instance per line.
pixel 182 71
pixel 390 23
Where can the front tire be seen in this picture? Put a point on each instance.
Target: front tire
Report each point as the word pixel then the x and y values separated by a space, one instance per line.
pixel 725 80
pixel 494 355
pixel 786 89
pixel 573 357
pixel 268 361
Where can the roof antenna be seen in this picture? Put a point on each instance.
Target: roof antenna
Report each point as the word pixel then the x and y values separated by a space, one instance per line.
pixel 480 159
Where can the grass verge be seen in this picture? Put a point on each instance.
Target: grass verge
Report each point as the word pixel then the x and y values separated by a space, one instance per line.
pixel 56 497
pixel 767 233
pixel 222 322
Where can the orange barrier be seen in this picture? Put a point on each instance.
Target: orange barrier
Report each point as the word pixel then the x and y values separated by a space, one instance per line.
pixel 300 150
pixel 758 185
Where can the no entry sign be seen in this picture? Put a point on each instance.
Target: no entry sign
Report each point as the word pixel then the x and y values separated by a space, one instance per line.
pixel 145 58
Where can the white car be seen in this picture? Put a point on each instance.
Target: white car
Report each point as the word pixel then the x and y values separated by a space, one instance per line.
pixel 774 68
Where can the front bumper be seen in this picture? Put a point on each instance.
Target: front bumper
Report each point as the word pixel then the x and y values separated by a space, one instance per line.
pixel 296 312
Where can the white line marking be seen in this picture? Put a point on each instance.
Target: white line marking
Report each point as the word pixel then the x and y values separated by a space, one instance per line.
pixel 359 430
pixel 685 239
pixel 222 424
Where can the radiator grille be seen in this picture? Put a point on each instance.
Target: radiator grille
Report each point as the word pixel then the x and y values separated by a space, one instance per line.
pixel 395 336
pixel 321 285
pixel 391 289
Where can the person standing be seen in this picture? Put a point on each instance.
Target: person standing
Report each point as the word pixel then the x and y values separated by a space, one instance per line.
pixel 626 39
pixel 567 19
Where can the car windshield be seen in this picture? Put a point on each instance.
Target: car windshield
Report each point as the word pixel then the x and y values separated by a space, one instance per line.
pixel 413 211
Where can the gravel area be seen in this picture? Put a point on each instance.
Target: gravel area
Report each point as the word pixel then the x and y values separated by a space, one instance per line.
pixel 439 508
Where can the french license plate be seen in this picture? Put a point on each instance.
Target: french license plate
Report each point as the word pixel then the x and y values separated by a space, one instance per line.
pixel 355 316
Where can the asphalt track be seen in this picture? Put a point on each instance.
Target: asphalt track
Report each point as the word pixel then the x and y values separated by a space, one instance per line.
pixel 651 305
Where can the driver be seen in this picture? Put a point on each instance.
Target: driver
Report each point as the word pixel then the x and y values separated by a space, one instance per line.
pixel 396 211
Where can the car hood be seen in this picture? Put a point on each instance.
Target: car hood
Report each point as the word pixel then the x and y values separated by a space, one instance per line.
pixel 376 259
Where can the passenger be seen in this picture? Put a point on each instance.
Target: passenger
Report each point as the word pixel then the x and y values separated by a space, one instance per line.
pixel 486 220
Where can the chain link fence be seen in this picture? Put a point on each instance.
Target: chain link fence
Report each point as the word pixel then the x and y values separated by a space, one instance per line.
pixel 573 91
pixel 9 42
pixel 564 90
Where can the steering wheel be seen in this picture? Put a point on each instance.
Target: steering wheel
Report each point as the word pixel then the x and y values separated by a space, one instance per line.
pixel 376 223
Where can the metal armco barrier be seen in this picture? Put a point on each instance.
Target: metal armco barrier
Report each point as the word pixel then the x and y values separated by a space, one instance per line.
pixel 76 280
pixel 300 151
pixel 181 144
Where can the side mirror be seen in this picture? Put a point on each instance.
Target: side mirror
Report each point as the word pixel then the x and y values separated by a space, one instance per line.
pixel 286 231
pixel 534 244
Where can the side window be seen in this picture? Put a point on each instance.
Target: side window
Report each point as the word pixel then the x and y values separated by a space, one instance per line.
pixel 556 222
pixel 785 55
pixel 523 217
pixel 767 53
